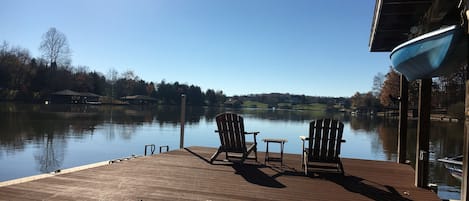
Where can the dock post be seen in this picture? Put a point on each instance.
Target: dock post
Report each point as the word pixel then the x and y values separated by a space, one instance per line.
pixel 423 133
pixel 403 109
pixel 183 119
pixel 465 166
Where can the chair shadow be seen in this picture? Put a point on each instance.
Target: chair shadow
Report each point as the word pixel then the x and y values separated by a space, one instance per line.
pixel 197 155
pixel 364 187
pixel 250 172
pixel 253 174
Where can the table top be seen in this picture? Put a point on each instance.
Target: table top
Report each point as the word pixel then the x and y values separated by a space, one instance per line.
pixel 278 140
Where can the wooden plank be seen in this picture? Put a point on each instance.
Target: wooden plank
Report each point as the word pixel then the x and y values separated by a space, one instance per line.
pixel 186 175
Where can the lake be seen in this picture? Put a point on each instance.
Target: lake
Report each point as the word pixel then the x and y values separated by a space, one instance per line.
pixel 37 139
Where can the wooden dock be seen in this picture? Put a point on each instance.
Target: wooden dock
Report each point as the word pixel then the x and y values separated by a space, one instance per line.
pixel 186 175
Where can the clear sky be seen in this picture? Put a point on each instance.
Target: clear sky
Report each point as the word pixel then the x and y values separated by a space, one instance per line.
pixel 311 47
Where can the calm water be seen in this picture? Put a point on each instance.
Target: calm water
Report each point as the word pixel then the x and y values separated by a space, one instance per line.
pixel 36 139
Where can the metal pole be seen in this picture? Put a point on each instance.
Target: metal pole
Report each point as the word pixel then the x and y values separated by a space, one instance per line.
pixel 183 119
pixel 403 110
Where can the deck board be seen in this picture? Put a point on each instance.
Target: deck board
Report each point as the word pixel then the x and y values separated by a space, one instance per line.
pixel 186 175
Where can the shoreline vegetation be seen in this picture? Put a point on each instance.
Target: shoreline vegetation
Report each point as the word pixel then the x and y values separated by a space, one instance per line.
pixel 317 108
pixel 27 79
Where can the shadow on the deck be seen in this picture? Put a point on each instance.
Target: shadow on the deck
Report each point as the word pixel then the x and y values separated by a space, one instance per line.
pixel 253 173
pixel 361 186
pixel 250 172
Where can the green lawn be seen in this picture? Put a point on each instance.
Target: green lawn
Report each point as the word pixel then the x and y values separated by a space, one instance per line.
pixel 313 106
pixel 254 104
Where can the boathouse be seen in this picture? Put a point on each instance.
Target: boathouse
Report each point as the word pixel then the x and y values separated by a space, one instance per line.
pixel 400 27
pixel 72 97
pixel 139 100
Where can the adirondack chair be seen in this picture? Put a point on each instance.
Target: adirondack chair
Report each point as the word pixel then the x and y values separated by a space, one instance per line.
pixel 232 138
pixel 324 141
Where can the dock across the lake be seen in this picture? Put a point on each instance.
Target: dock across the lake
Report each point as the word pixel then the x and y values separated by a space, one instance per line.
pixel 186 174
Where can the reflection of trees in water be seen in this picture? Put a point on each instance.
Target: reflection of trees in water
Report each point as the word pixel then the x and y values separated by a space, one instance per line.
pixel 369 125
pixel 47 126
pixel 388 136
pixel 126 131
pixel 446 139
pixel 23 122
pixel 211 112
pixel 51 155
pixel 381 132
pixel 171 114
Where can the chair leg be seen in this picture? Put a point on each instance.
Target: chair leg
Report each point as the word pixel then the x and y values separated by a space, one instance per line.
pixel 341 167
pixel 255 153
pixel 214 156
pixel 245 155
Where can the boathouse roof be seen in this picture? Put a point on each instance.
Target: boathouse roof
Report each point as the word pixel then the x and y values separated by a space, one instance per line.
pixel 68 92
pixel 396 21
pixel 138 97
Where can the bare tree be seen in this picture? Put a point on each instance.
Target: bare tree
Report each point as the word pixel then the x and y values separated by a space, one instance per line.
pixel 55 48
pixel 378 82
pixel 112 78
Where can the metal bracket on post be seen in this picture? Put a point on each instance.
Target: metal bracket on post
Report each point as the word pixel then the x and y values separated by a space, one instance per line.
pixel 152 148
pixel 166 146
pixel 423 155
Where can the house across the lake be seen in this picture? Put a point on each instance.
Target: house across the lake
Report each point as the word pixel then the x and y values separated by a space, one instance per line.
pixel 72 97
pixel 139 100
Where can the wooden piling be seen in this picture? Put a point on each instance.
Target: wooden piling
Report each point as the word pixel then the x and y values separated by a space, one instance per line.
pixel 465 167
pixel 183 119
pixel 423 133
pixel 403 109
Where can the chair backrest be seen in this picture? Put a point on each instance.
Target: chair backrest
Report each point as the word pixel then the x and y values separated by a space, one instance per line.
pixel 231 132
pixel 325 137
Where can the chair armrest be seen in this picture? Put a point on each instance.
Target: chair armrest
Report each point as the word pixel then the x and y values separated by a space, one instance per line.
pixel 303 138
pixel 254 135
pixel 343 141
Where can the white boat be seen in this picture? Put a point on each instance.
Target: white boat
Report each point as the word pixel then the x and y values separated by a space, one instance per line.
pixel 454 166
pixel 432 54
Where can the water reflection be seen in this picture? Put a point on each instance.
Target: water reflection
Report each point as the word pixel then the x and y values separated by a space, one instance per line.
pixel 60 136
pixel 50 156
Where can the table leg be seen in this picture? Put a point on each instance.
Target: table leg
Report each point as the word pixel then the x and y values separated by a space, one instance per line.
pixel 303 154
pixel 281 154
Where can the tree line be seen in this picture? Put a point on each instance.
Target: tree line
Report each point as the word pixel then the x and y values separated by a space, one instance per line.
pixel 29 79
pixel 448 93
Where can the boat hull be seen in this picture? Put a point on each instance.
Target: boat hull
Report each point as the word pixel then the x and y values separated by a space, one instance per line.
pixel 433 54
pixel 453 165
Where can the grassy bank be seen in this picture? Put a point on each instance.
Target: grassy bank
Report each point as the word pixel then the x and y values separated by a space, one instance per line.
pixel 313 106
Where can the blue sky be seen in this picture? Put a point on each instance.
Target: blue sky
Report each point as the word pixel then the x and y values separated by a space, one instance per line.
pixel 311 47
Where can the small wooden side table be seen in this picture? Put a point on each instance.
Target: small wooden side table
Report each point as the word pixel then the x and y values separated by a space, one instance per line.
pixel 280 141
